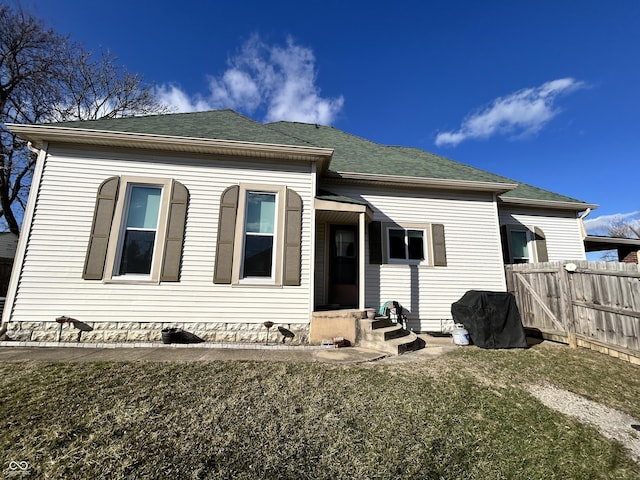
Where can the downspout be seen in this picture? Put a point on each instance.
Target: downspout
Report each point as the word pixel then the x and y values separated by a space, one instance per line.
pixel 25 231
pixel 583 230
pixel 312 246
pixel 33 149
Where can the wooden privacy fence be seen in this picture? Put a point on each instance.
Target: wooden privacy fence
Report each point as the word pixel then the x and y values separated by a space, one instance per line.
pixel 589 304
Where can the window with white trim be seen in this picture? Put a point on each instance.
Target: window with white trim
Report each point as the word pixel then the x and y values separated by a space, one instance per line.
pixel 523 244
pixel 406 245
pixel 258 259
pixel 137 241
pixel 520 246
pixel 259 235
pixel 140 229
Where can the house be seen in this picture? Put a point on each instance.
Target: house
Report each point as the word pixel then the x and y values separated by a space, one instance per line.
pixel 8 245
pixel 216 223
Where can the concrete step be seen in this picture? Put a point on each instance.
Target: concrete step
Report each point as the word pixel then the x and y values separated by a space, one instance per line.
pixel 376 323
pixel 385 333
pixel 408 341
pixel 380 333
pixel 416 344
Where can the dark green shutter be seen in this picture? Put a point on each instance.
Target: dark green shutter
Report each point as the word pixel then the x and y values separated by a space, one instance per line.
pixel 505 239
pixel 293 239
pixel 375 243
pixel 541 245
pixel 100 229
pixel 226 235
pixel 439 246
pixel 175 233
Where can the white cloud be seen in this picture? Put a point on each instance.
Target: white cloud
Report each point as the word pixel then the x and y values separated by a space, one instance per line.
pixel 278 80
pixel 522 113
pixel 603 222
pixel 175 97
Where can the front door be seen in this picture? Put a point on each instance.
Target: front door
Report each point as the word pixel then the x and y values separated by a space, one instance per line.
pixel 343 266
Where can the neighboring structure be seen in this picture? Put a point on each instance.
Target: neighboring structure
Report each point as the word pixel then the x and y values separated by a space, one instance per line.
pixel 8 245
pixel 627 249
pixel 215 223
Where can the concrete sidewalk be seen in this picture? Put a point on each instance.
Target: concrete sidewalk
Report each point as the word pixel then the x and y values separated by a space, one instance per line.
pixel 53 352
pixel 184 354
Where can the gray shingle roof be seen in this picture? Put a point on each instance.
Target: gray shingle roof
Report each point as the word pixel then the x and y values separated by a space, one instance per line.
pixel 358 155
pixel 351 153
pixel 215 124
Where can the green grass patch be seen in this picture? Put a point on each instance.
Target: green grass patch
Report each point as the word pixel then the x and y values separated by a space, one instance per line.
pixel 465 415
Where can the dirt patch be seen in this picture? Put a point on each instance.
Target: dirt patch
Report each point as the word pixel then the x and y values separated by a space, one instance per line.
pixel 611 423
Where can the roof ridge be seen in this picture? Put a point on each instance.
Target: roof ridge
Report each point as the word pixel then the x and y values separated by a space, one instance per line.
pixel 269 126
pixel 331 127
pixel 147 116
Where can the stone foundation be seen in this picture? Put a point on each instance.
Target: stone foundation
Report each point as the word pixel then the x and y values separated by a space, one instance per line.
pixel 123 332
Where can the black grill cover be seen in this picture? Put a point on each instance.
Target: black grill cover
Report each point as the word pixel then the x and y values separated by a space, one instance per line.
pixel 492 319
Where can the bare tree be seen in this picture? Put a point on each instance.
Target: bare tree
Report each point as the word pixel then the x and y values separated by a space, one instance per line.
pixel 620 228
pixel 45 77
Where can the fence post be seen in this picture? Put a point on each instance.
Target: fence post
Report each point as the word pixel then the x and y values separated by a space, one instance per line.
pixel 566 298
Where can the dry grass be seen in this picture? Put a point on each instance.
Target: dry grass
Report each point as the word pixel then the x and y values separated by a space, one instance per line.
pixel 464 415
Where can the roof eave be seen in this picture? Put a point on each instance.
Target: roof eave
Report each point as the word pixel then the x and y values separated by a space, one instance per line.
pixel 617 240
pixel 38 135
pixel 595 243
pixel 420 182
pixel 553 204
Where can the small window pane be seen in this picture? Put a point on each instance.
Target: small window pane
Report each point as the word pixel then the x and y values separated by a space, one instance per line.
pixel 261 212
pixel 416 244
pixel 396 244
pixel 258 256
pixel 144 205
pixel 519 248
pixel 345 243
pixel 137 252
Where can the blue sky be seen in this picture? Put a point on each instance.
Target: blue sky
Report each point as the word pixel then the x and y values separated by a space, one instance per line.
pixel 544 92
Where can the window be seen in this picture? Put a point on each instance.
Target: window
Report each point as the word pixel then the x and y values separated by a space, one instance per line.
pixel 523 244
pixel 406 245
pixel 259 235
pixel 414 244
pixel 140 230
pixel 520 246
pixel 137 231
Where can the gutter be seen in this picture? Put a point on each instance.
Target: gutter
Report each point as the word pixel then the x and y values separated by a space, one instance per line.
pixel 560 205
pixel 39 135
pixel 420 182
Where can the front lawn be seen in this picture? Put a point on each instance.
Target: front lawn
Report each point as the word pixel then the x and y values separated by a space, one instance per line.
pixel 466 415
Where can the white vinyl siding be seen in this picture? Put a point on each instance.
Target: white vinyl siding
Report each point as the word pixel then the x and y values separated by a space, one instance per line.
pixel 51 283
pixel 561 230
pixel 474 254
